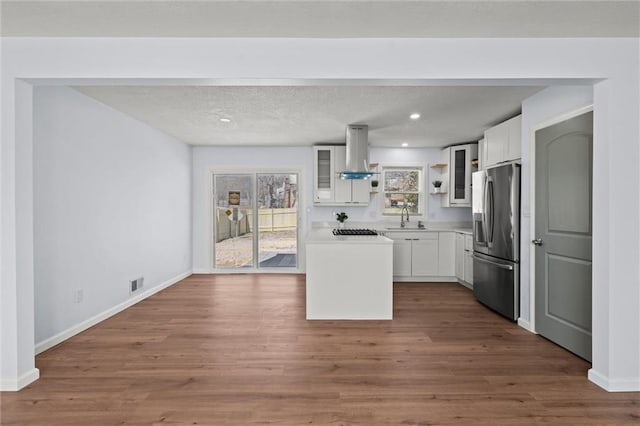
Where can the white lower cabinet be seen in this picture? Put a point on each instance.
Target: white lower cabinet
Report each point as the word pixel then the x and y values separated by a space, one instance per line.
pixel 446 254
pixel 468 267
pixel 460 256
pixel 423 255
pixel 402 257
pixel 464 258
pixel 468 258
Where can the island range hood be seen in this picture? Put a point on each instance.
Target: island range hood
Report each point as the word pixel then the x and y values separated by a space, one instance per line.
pixel 357 153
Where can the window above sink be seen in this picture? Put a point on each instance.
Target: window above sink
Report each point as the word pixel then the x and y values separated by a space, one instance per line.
pixel 402 186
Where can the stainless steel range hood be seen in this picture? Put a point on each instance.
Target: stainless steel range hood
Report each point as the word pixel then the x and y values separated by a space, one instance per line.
pixel 357 153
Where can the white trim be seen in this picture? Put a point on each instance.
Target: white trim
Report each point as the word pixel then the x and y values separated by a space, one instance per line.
pixel 526 325
pixel 202 271
pixel 10 385
pixel 425 279
pixel 532 202
pixel 623 385
pixel 78 328
pixel 282 271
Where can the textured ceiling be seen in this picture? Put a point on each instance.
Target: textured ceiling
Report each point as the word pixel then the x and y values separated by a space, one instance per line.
pixel 324 19
pixel 306 115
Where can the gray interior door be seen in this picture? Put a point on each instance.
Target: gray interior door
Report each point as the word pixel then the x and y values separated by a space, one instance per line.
pixel 563 233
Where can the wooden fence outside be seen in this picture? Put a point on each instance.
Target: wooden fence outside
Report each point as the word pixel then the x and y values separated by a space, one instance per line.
pixel 269 220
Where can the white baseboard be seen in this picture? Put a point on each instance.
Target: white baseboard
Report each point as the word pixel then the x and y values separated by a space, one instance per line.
pixel 12 385
pixel 430 279
pixel 526 325
pixel 624 385
pixel 72 331
pixel 249 271
pixel 465 284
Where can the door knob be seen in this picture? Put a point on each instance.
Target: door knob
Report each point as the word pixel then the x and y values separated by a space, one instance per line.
pixel 537 241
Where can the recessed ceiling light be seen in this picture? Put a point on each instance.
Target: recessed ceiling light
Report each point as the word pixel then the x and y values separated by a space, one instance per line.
pixel 404 144
pixel 414 116
pixel 225 120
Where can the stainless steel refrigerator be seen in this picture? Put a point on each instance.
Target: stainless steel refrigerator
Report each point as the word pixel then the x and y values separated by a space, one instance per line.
pixel 496 238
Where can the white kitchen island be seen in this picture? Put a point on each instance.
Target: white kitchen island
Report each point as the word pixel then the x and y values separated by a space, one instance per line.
pixel 349 277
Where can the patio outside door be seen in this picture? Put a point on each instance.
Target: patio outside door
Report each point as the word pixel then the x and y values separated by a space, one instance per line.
pixel 255 220
pixel 233 231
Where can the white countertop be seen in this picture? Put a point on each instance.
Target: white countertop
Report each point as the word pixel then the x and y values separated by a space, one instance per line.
pixel 393 226
pixel 324 236
pixel 467 231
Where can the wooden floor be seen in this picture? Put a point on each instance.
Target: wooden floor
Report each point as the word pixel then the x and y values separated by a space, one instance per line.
pixel 237 349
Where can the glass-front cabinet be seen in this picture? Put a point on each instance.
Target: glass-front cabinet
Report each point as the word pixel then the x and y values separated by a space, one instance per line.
pixel 462 161
pixel 329 190
pixel 324 173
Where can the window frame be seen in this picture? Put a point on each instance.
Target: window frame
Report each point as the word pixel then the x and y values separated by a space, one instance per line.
pixel 422 195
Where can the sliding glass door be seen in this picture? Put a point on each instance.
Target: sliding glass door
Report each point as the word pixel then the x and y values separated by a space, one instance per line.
pixel 255 220
pixel 277 220
pixel 233 232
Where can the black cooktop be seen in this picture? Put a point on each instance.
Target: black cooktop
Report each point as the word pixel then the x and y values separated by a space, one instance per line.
pixel 354 231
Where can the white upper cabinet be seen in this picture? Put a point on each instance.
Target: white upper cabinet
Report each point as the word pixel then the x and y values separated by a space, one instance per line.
pixel 323 176
pixel 502 142
pixel 360 191
pixel 514 146
pixel 495 142
pixel 329 189
pixel 460 160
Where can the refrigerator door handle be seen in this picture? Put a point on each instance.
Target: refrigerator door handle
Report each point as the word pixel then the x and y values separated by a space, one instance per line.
pixel 499 265
pixel 489 220
pixel 484 211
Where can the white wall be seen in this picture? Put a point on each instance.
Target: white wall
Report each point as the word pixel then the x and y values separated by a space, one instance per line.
pixel 112 202
pixel 611 62
pixel 536 110
pixel 206 159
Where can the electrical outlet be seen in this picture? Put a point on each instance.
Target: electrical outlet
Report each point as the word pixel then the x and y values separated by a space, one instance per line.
pixel 135 285
pixel 78 296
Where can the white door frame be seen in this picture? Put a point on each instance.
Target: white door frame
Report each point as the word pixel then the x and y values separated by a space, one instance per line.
pixel 254 170
pixel 532 203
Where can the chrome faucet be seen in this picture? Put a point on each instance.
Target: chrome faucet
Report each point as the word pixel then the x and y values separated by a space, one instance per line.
pixel 402 222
